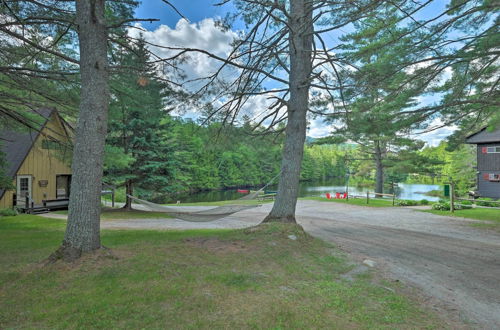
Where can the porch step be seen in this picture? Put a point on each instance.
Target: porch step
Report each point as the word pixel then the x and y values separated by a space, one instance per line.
pixel 40 210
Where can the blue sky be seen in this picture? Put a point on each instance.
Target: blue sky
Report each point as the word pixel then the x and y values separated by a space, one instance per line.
pixel 193 10
pixel 196 34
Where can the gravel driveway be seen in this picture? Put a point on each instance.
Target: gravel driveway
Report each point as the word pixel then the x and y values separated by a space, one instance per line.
pixel 457 267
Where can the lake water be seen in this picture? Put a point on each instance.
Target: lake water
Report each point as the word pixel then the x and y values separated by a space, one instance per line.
pixel 314 189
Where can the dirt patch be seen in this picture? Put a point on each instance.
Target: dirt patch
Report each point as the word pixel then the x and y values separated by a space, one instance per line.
pixel 219 246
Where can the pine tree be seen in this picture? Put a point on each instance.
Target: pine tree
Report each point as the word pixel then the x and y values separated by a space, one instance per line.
pixel 373 106
pixel 137 113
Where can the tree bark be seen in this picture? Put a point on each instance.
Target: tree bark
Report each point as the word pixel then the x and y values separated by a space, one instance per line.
pixel 379 176
pixel 83 229
pixel 129 188
pixel 300 51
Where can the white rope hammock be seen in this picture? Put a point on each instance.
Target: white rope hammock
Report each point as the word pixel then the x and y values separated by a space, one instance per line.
pixel 212 214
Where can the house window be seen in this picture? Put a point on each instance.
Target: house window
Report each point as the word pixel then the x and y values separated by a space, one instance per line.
pixel 494 177
pixel 493 150
pixel 24 186
pixel 63 186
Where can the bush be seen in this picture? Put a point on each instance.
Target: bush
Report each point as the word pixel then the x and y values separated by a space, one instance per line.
pixel 464 205
pixel 8 212
pixel 406 202
pixel 441 206
pixel 424 202
pixel 485 201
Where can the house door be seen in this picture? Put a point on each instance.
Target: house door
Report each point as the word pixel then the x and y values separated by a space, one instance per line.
pixel 63 186
pixel 23 186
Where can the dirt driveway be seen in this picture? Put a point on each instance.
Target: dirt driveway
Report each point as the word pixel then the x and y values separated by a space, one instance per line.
pixel 457 267
pixel 454 264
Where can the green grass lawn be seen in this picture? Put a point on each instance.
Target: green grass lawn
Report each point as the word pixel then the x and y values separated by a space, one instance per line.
pixel 374 202
pixel 254 278
pixel 491 216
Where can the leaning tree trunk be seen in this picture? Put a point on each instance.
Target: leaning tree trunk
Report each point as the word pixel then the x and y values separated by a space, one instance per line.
pixel 379 176
pixel 83 232
pixel 300 49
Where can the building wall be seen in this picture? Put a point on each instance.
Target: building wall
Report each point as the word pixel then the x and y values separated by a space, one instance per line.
pixel 488 162
pixel 43 164
pixel 488 188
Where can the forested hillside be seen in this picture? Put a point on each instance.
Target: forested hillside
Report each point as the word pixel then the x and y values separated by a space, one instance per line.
pixel 209 157
pixel 203 157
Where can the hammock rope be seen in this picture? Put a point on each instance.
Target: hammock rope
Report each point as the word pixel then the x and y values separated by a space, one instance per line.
pixel 212 214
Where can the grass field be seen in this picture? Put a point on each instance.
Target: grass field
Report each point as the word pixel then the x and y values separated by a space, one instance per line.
pixel 254 278
pixel 374 202
pixel 490 216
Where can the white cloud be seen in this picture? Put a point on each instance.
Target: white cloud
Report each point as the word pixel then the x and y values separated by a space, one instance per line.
pixel 435 136
pixel 317 128
pixel 203 35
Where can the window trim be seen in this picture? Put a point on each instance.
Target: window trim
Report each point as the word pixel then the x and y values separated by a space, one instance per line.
pixel 496 150
pixel 494 177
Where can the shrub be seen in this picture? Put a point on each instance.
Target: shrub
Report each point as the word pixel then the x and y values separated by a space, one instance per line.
pixel 406 202
pixel 485 201
pixel 8 212
pixel 424 202
pixel 441 206
pixel 464 205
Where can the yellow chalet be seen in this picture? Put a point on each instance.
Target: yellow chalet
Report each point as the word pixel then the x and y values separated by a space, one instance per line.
pixel 38 160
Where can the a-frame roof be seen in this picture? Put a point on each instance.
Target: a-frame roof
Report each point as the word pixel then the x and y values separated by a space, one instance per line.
pixel 484 136
pixel 16 145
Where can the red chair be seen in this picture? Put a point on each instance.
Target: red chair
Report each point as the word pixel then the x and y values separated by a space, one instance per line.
pixel 328 196
pixel 345 196
pixel 337 195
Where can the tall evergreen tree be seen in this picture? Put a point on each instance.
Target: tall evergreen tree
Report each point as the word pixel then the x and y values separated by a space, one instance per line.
pixel 374 102
pixel 137 113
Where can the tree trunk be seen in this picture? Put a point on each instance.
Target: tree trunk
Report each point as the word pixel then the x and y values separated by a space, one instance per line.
pixel 300 49
pixel 83 229
pixel 129 188
pixel 379 180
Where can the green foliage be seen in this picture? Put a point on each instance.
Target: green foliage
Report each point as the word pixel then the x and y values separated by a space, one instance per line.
pixel 375 106
pixel 8 212
pixel 486 201
pixel 5 181
pixel 464 205
pixel 456 165
pixel 136 150
pixel 406 202
pixel 444 205
pixel 424 202
pixel 441 206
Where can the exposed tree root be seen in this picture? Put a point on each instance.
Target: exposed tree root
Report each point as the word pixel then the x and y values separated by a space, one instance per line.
pixel 65 252
pixel 69 253
pixel 284 219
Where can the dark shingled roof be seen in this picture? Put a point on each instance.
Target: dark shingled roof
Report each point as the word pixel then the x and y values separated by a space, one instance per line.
pixel 17 144
pixel 484 136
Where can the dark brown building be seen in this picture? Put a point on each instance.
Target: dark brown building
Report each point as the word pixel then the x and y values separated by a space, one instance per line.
pixel 488 162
